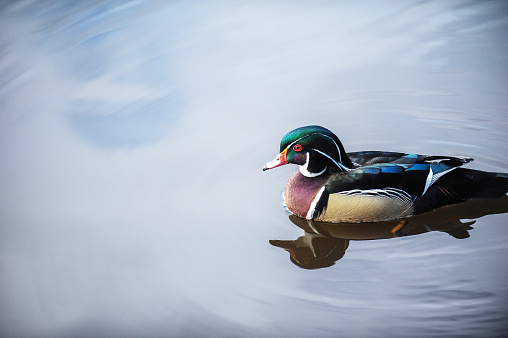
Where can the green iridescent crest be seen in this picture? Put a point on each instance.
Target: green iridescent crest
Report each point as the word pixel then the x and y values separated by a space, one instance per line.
pixel 301 132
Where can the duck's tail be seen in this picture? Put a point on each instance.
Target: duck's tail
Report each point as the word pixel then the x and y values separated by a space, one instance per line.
pixel 460 185
pixel 486 184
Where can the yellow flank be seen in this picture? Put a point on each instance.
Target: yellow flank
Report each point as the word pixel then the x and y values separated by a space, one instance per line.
pixel 363 208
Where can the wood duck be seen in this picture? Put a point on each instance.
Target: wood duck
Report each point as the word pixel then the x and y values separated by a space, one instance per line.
pixel 372 186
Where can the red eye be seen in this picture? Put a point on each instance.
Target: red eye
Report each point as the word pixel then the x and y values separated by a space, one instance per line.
pixel 297 147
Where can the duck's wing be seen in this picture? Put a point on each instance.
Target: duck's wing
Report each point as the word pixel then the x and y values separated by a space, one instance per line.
pixel 367 158
pixel 363 158
pixel 440 165
pixel 408 177
pixel 399 182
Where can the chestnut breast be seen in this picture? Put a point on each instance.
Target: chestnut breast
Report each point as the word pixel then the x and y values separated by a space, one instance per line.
pixel 300 192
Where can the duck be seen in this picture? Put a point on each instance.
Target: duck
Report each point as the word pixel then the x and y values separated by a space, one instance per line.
pixel 372 186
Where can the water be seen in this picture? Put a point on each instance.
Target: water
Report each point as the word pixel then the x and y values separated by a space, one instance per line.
pixel 132 139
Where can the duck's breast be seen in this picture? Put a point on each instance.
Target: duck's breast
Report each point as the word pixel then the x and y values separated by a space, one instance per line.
pixel 300 192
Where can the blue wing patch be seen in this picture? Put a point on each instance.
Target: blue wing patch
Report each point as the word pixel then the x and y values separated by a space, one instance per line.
pixel 392 168
pixel 419 166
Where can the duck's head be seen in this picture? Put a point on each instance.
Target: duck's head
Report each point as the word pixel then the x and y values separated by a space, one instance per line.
pixel 313 251
pixel 315 149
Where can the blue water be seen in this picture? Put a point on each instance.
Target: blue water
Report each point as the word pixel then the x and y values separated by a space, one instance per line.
pixel 132 138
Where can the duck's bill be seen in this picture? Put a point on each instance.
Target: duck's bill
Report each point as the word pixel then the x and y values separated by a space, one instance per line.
pixel 286 245
pixel 277 162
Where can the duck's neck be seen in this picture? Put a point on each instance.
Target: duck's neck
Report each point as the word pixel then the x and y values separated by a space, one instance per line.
pixel 312 168
pixel 318 163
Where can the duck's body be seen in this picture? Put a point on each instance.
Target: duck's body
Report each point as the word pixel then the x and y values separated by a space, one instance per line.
pixel 356 205
pixel 335 186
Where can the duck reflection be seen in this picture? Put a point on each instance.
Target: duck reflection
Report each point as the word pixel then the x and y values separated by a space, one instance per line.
pixel 325 243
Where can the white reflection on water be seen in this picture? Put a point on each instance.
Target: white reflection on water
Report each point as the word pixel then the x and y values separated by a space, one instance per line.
pixel 132 138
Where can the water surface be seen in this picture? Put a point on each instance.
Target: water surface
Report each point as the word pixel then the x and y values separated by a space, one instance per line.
pixel 132 138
